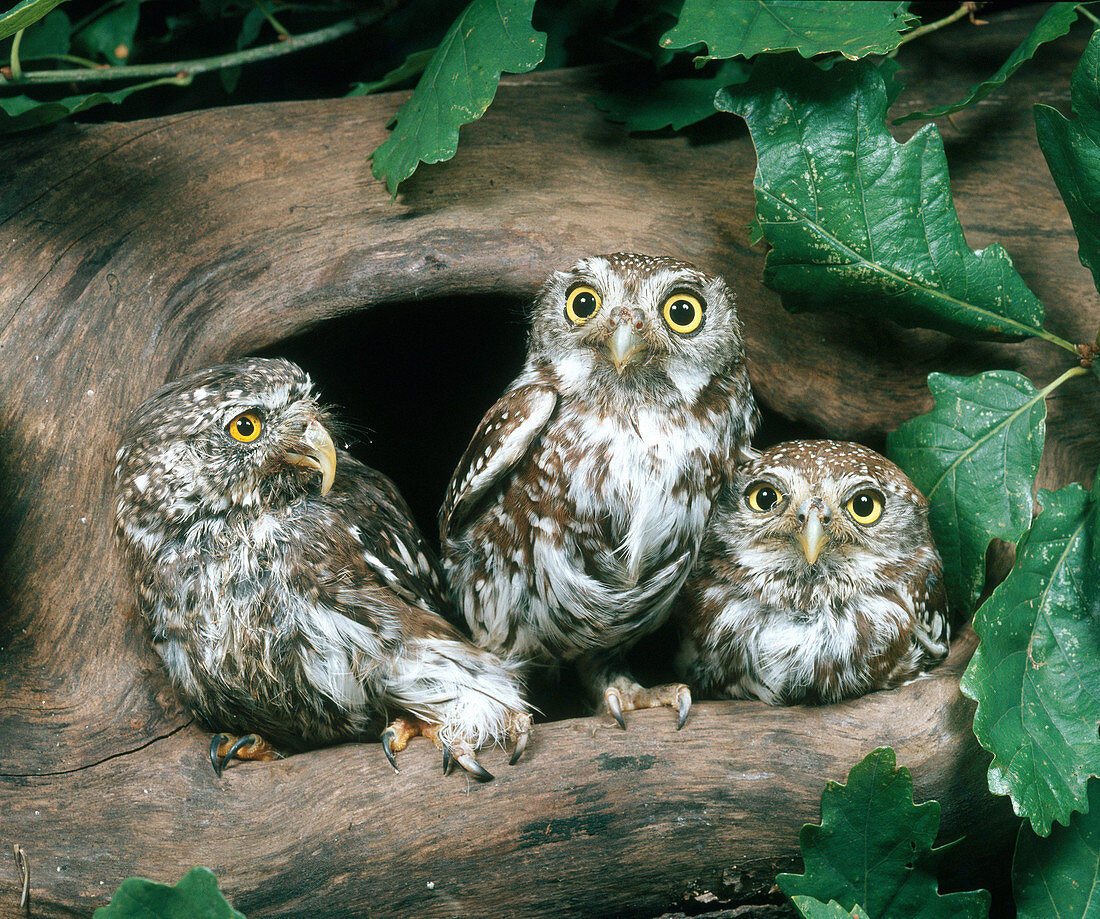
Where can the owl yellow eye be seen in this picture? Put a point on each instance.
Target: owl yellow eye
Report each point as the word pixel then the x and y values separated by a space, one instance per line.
pixel 684 313
pixel 762 497
pixel 245 427
pixel 582 304
pixel 865 507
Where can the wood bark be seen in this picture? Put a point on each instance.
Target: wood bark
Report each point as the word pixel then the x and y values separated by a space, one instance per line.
pixel 131 253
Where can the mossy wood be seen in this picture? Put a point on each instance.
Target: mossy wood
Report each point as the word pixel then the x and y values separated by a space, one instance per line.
pixel 130 253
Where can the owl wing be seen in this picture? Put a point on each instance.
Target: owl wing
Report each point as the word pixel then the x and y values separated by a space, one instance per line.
pixel 502 439
pixel 932 629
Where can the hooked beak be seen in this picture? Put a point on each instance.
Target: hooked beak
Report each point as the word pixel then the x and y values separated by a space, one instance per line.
pixel 813 536
pixel 316 451
pixel 624 345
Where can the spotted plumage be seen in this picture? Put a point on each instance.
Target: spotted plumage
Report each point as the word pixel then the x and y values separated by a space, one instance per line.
pixel 577 510
pixel 817 581
pixel 285 584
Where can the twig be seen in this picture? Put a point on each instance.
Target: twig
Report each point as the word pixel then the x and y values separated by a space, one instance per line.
pixel 1084 11
pixel 25 873
pixel 963 10
pixel 16 67
pixel 202 65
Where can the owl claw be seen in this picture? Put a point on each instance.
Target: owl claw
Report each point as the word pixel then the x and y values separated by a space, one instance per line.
pixel 683 705
pixel 215 743
pixel 521 745
pixel 614 702
pixel 469 762
pixel 447 761
pixel 388 736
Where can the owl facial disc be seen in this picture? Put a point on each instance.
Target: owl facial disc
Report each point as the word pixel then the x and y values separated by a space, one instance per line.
pixel 316 451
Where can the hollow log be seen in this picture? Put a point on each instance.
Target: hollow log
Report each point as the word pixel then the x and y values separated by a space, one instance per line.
pixel 131 253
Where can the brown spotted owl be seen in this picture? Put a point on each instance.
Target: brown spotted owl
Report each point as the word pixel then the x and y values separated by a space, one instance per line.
pixel 578 508
pixel 817 580
pixel 285 584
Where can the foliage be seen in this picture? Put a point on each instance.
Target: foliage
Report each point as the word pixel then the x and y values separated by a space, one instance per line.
pixel 1060 875
pixel 853 216
pixel 196 896
pixel 873 849
pixel 490 37
pixel 975 457
pixel 1072 150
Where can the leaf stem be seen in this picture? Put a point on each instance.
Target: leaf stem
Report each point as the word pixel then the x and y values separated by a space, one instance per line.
pixel 1055 340
pixel 279 28
pixel 1068 375
pixel 963 10
pixel 206 64
pixel 16 67
pixel 1083 9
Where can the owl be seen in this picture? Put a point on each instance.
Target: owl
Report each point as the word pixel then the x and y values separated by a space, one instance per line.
pixel 577 510
pixel 286 586
pixel 817 580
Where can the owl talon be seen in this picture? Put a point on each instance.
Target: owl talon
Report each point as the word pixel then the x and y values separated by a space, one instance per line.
pixel 215 744
pixel 683 701
pixel 448 761
pixel 469 762
pixel 521 745
pixel 614 702
pixel 388 736
pixel 248 746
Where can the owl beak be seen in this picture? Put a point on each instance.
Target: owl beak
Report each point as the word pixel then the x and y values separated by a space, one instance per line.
pixel 813 536
pixel 316 451
pixel 624 346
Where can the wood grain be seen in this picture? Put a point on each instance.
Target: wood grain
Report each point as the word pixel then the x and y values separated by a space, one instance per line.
pixel 130 253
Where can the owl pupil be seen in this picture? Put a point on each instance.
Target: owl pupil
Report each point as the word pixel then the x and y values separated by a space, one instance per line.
pixel 766 498
pixel 864 505
pixel 584 305
pixel 245 427
pixel 681 312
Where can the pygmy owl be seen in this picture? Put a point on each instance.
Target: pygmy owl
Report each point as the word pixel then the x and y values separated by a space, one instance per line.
pixel 817 581
pixel 577 510
pixel 287 588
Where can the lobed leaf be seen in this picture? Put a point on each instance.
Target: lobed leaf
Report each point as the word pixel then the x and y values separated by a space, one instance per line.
pixel 859 222
pixel 23 14
pixel 1058 876
pixel 1036 673
pixel 1055 23
pixel 1072 151
pixel 45 38
pixel 110 33
pixel 196 896
pixel 22 113
pixel 490 37
pixel 874 848
pixel 742 28
pixel 975 457
pixel 670 103
pixel 815 909
pixel 412 66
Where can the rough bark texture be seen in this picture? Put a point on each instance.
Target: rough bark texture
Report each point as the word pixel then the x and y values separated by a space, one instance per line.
pixel 133 252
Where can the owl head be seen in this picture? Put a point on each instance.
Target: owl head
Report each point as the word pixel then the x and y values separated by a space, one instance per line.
pixel 240 435
pixel 824 509
pixel 634 324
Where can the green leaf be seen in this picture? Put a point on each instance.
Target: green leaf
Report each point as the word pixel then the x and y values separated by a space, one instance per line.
pixel 1092 567
pixel 815 909
pixel 22 113
pixel 196 896
pixel 1058 876
pixel 490 37
pixel 670 103
pixel 24 14
pixel 45 38
pixel 1054 24
pixel 974 456
pixel 742 28
pixel 874 848
pixel 1072 151
pixel 110 33
pixel 1036 673
pixel 860 223
pixel 414 64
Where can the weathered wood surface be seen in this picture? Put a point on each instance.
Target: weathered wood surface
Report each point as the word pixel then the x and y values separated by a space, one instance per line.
pixel 131 253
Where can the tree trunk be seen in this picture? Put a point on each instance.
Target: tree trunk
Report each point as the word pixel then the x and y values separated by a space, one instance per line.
pixel 132 253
